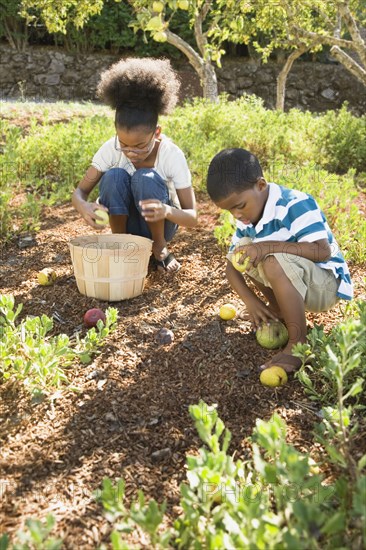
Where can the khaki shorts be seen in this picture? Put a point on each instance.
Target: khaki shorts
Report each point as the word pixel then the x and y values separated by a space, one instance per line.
pixel 317 286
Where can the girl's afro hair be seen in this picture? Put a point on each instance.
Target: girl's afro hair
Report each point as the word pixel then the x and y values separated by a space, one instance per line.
pixel 140 83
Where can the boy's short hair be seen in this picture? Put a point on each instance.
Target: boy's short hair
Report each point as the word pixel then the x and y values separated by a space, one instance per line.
pixel 232 171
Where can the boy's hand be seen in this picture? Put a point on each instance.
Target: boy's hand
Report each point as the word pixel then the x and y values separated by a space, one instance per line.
pixel 153 210
pixel 254 251
pixel 258 312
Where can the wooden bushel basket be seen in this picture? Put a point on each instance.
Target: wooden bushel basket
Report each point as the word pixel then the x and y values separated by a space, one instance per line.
pixel 110 267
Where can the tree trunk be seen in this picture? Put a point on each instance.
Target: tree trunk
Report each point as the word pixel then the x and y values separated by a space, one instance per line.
pixel 282 77
pixel 204 69
pixel 209 82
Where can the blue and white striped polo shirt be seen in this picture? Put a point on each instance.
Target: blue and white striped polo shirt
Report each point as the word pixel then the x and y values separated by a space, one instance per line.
pixel 294 216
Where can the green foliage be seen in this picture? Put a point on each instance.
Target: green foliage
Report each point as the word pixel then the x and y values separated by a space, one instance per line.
pixel 292 149
pixel 336 380
pixel 12 26
pixel 274 500
pixel 342 141
pixel 338 360
pixel 56 15
pixel 37 536
pixel 224 231
pixel 29 354
pixel 43 166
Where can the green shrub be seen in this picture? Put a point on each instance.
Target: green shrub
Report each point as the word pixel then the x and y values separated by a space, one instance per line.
pixel 276 499
pixel 341 139
pixel 28 353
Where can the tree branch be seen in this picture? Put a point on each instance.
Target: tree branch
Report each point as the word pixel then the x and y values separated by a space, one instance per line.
pixel 351 65
pixel 325 39
pixel 359 43
pixel 195 60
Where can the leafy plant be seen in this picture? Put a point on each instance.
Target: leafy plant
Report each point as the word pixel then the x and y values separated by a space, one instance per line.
pixel 276 499
pixel 37 536
pixel 29 354
pixel 338 361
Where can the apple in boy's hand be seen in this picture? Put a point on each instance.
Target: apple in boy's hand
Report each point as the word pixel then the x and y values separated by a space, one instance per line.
pixel 272 335
pixel 92 316
pixel 47 276
pixel 240 266
pixel 103 217
pixel 273 376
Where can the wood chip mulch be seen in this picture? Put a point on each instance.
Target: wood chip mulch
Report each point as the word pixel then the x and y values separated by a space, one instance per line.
pixel 130 416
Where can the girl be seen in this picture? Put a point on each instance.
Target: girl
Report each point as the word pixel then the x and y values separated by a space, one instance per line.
pixel 144 180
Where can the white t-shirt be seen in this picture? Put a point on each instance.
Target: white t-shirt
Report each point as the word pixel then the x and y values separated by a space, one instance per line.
pixel 170 164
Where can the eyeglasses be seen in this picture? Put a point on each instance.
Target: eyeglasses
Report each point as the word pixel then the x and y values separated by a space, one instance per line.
pixel 137 150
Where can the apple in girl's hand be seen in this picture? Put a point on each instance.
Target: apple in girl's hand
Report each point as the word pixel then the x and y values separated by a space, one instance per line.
pixel 92 316
pixel 103 217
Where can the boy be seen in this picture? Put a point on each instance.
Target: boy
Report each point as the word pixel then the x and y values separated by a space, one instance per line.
pixel 294 259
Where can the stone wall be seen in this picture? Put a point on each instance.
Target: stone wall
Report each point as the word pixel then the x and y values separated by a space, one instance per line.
pixel 44 73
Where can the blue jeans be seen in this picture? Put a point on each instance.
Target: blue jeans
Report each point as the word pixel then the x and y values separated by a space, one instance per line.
pixel 121 193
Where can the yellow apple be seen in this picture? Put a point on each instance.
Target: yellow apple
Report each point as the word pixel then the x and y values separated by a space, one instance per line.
pixel 273 376
pixel 227 312
pixel 158 6
pixel 237 264
pixel 160 36
pixel 183 4
pixel 155 23
pixel 103 217
pixel 47 276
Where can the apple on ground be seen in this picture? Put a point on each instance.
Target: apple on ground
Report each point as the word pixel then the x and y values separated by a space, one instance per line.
pixel 227 312
pixel 273 376
pixel 92 316
pixel 272 335
pixel 47 276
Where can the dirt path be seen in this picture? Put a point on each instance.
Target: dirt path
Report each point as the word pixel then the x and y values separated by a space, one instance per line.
pixel 135 395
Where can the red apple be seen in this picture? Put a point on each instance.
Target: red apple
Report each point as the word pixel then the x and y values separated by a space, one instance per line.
pixel 92 316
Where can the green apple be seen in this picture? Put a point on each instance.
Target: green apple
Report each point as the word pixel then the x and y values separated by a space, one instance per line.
pixel 160 36
pixel 183 4
pixel 272 335
pixel 103 217
pixel 47 276
pixel 155 24
pixel 158 6
pixel 273 376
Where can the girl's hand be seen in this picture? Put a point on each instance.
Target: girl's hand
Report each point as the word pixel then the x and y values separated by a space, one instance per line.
pixel 87 210
pixel 153 210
